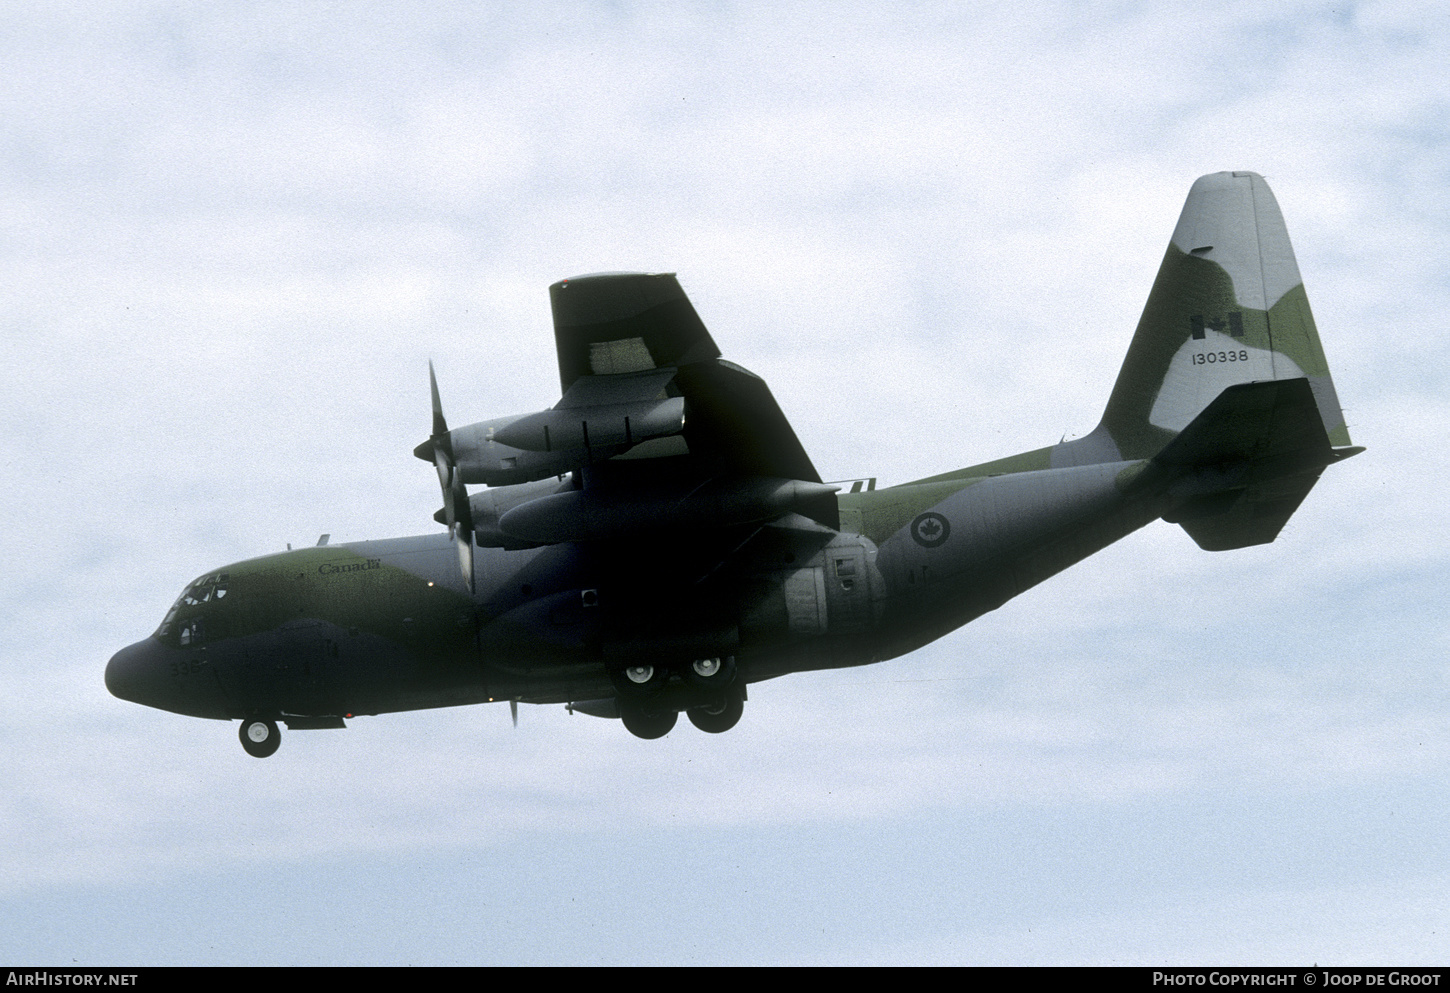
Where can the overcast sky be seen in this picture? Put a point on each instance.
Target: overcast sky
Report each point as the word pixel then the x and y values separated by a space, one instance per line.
pixel 234 239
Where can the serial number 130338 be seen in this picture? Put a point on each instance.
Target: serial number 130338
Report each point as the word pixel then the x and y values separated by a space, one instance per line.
pixel 1207 358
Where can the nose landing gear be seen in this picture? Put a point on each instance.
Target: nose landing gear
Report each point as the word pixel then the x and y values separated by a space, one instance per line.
pixel 260 737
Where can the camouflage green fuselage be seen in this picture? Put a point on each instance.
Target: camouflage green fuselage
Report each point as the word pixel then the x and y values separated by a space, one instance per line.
pixel 390 625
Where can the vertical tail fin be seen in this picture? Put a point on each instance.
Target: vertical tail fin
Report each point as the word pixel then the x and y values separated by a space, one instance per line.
pixel 1228 307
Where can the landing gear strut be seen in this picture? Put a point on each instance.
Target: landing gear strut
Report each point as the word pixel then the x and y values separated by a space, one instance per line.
pixel 260 737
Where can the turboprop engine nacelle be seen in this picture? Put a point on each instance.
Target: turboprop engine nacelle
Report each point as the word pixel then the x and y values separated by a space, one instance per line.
pixel 491 504
pixel 591 428
pixel 599 417
pixel 575 515
pixel 481 458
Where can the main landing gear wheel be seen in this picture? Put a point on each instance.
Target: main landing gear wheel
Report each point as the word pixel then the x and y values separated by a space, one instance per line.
pixel 710 673
pixel 644 723
pixel 642 680
pixel 260 737
pixel 718 717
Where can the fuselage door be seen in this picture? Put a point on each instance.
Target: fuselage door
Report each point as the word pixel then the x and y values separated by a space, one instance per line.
pixel 848 588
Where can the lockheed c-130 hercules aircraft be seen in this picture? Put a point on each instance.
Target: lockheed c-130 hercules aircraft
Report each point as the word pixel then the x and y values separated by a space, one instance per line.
pixel 658 539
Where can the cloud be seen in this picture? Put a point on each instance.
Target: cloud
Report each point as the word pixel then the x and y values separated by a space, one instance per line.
pixel 235 240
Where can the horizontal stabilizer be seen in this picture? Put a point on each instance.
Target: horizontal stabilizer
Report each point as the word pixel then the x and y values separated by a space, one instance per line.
pixel 1269 424
pixel 1255 518
pixel 1240 469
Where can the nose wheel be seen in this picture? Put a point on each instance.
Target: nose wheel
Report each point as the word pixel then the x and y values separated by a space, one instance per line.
pixel 259 737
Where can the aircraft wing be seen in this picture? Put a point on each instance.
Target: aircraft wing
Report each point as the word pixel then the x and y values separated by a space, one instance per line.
pixel 617 327
pixel 655 433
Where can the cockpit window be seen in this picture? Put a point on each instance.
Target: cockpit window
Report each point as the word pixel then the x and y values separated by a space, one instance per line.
pixel 200 592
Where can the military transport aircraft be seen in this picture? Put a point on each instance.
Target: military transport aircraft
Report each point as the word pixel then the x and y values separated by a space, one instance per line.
pixel 659 539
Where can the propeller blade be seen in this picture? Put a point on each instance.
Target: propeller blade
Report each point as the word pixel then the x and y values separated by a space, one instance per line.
pixel 457 513
pixel 445 468
pixel 440 426
pixel 464 540
pixel 514 710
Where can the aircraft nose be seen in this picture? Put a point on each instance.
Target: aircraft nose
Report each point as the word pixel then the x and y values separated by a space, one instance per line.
pixel 179 680
pixel 132 674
